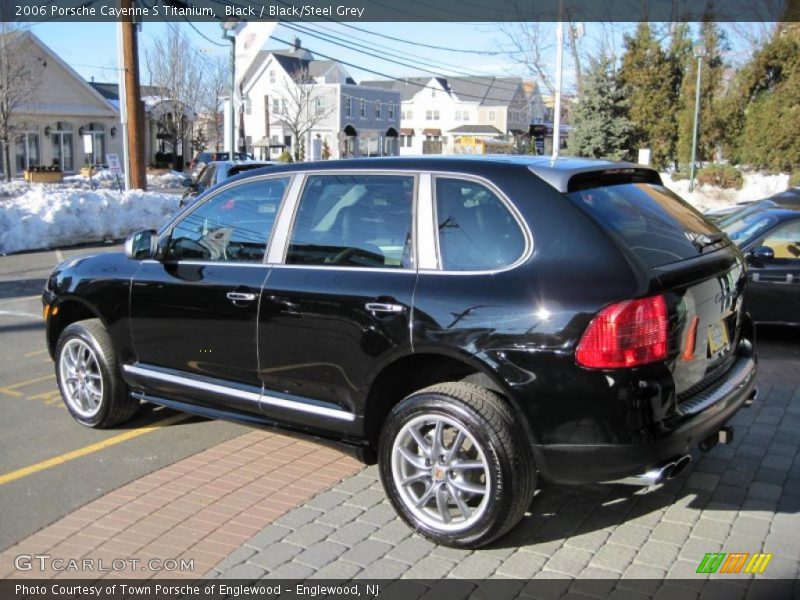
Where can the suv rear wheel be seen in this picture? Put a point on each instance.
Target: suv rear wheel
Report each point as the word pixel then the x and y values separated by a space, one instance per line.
pixel 88 376
pixel 455 466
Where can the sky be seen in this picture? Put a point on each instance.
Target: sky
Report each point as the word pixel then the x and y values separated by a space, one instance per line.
pixel 90 48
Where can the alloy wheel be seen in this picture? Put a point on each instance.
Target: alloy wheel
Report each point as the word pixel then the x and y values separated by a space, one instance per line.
pixel 81 378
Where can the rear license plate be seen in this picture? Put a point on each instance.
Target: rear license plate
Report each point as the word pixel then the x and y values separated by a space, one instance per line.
pixel 717 337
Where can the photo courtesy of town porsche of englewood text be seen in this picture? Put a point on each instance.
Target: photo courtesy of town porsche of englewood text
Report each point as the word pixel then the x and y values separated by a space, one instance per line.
pixel 454 299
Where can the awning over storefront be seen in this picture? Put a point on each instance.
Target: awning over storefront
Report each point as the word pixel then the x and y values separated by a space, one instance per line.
pixel 431 132
pixel 407 131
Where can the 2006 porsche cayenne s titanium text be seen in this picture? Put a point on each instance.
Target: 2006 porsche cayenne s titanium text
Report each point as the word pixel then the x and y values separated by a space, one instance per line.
pixel 471 324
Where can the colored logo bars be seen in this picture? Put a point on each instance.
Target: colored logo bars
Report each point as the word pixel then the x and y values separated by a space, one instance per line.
pixel 734 562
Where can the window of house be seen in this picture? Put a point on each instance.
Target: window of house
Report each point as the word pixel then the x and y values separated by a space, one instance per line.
pixel 406 141
pixel 492 116
pixel 355 221
pixel 248 106
pixel 433 93
pixel 477 232
pixel 406 114
pixel 233 226
pixel 436 115
pixel 348 107
pixel 276 105
pixel 391 110
pixel 272 76
pixel 378 110
pixel 319 106
pixel 363 109
pixel 284 107
pixel 27 146
pixel 98 153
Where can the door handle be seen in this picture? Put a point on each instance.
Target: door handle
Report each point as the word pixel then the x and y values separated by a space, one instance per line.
pixel 382 307
pixel 240 297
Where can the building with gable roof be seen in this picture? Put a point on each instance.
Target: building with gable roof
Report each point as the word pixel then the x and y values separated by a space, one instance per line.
pixel 350 119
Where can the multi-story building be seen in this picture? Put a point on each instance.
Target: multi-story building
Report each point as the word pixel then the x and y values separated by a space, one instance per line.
pixel 288 91
pixel 438 111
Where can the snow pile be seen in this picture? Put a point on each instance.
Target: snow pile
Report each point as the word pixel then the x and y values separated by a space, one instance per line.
pixel 44 217
pixel 15 187
pixel 704 197
pixel 173 179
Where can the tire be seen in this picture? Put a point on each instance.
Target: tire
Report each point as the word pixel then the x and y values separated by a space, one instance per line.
pixel 88 377
pixel 494 456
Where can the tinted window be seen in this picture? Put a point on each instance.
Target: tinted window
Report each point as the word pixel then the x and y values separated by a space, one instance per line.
pixel 477 232
pixel 785 241
pixel 234 225
pixel 354 220
pixel 654 223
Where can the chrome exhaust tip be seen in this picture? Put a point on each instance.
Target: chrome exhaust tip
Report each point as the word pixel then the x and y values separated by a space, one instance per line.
pixel 672 468
pixel 679 466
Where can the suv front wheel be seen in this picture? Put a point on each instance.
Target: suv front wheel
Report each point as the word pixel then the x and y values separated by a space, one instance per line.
pixel 455 466
pixel 88 376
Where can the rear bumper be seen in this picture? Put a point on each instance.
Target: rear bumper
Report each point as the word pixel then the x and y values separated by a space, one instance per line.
pixel 590 463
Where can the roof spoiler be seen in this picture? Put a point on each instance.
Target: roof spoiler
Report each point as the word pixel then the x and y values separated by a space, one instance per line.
pixel 592 176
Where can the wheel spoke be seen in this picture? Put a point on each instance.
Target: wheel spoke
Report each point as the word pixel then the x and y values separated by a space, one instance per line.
pixel 463 465
pixel 415 460
pixel 451 453
pixel 426 497
pixel 95 376
pixel 437 447
pixel 420 439
pixel 466 486
pixel 418 476
pixel 441 503
pixel 462 506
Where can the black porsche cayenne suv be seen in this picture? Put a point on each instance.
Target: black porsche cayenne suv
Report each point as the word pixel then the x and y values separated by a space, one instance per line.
pixel 473 324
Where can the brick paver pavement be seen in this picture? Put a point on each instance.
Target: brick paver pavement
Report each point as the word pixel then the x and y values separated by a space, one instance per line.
pixel 744 497
pixel 201 508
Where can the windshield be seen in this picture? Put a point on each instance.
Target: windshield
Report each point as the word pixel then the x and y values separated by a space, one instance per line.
pixel 748 226
pixel 743 211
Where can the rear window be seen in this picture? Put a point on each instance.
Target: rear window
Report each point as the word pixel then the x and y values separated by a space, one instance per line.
pixel 655 224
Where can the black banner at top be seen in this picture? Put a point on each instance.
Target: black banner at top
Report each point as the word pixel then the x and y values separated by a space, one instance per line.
pixel 404 10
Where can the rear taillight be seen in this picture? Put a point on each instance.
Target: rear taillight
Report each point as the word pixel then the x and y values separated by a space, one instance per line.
pixel 626 334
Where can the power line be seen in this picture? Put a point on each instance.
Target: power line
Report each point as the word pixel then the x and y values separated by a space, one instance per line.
pixel 493 80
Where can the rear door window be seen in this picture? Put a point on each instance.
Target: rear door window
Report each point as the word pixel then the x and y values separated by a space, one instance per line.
pixel 655 224
pixel 477 232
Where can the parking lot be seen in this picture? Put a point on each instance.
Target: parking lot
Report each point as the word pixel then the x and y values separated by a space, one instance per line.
pixel 250 504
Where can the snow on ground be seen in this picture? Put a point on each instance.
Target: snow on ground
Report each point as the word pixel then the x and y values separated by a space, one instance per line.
pixel 105 179
pixel 756 186
pixel 49 216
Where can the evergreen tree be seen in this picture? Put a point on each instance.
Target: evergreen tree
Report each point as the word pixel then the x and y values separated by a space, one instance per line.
pixel 647 77
pixel 601 128
pixel 768 97
pixel 710 127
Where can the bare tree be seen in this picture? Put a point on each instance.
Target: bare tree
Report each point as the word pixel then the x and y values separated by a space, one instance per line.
pixel 176 74
pixel 304 106
pixel 217 83
pixel 20 75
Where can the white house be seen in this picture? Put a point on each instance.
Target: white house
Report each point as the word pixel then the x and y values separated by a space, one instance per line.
pixel 438 111
pixel 347 119
pixel 64 108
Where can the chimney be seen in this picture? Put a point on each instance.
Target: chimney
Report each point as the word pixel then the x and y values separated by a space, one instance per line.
pixel 297 44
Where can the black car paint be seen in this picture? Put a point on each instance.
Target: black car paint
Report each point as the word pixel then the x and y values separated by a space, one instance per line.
pixel 773 294
pixel 517 328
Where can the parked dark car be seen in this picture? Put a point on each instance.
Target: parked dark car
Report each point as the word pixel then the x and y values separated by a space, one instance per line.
pixel 770 238
pixel 201 159
pixel 787 199
pixel 216 172
pixel 471 324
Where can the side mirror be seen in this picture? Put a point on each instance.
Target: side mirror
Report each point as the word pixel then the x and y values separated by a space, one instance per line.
pixel 763 253
pixel 141 245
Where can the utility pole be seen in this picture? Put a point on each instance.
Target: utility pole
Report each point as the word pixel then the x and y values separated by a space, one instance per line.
pixel 699 52
pixel 133 100
pixel 226 27
pixel 559 69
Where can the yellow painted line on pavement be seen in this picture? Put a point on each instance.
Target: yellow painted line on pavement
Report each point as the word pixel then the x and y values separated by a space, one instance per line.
pixel 91 448
pixel 35 353
pixel 11 389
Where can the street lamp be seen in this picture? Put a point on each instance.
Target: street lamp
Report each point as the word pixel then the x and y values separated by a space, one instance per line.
pixel 699 52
